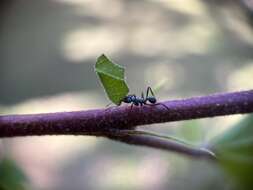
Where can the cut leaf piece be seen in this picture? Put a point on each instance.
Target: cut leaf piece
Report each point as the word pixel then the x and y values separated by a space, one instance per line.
pixel 112 78
pixel 234 150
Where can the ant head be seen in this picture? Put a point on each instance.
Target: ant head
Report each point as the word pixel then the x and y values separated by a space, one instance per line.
pixel 127 99
pixel 152 99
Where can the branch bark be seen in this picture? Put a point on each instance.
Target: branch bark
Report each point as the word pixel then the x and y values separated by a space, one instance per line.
pixel 100 122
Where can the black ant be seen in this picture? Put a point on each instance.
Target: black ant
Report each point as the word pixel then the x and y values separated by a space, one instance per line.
pixel 142 101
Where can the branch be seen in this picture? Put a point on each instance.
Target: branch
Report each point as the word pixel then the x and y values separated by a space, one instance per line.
pixel 98 122
pixel 141 139
pixel 119 123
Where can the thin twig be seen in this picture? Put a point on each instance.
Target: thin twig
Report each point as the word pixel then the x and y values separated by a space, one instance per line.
pixel 143 138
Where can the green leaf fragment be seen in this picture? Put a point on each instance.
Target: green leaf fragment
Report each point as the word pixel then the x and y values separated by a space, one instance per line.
pixel 112 78
pixel 11 176
pixel 234 150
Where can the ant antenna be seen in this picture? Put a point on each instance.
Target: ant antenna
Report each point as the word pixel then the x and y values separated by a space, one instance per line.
pixel 151 91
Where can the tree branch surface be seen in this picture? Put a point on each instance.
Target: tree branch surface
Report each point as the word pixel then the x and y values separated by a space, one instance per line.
pixel 104 122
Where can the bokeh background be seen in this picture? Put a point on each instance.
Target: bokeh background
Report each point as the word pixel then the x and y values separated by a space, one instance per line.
pixel 47 54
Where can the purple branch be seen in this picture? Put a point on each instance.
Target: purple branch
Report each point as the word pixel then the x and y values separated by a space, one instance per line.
pixel 112 122
pixel 98 122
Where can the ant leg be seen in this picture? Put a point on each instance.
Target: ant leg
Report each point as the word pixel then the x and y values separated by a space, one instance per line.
pixel 108 108
pixel 144 99
pixel 108 105
pixel 131 106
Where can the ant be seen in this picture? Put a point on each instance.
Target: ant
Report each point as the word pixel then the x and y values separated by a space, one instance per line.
pixel 142 101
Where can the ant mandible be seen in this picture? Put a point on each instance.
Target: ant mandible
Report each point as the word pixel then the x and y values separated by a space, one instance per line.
pixel 142 101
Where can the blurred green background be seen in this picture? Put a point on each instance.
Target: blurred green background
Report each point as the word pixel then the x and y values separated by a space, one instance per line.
pixel 47 54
